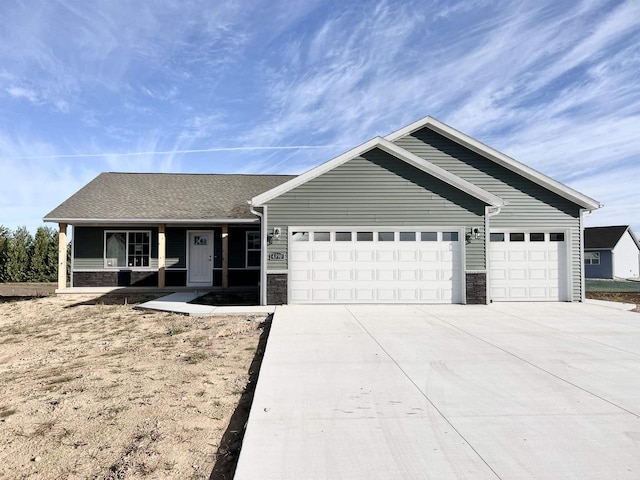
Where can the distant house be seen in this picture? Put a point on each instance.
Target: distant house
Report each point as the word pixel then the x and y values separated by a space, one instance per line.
pixel 426 214
pixel 611 252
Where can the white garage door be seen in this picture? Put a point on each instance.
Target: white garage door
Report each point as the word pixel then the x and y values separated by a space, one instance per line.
pixel 528 266
pixel 375 266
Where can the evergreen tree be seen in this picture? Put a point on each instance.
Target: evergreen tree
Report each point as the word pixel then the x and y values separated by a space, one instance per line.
pixel 18 255
pixel 5 236
pixel 43 266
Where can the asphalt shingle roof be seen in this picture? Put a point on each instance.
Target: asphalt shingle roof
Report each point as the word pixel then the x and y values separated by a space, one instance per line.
pixel 165 196
pixel 603 237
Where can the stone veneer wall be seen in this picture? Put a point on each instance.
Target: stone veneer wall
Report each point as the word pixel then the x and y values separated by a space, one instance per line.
pixel 277 289
pixel 476 288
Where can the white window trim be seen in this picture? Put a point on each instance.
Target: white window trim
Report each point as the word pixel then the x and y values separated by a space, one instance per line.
pixel 127 232
pixel 592 261
pixel 247 250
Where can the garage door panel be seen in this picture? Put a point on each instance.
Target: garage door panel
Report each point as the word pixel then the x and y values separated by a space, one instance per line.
pixel 364 255
pixel 342 256
pixel 517 274
pixel 300 275
pixel 429 256
pixel 342 275
pixel 385 294
pixel 537 256
pixel 385 256
pixel 321 294
pixel 538 292
pixel 517 255
pixel 537 274
pixel 407 256
pixel 321 275
pixel 300 256
pixel 364 294
pixel 321 255
pixel 343 295
pixel 365 275
pixel 386 275
pixel 408 294
pixel 300 294
pixel 408 275
pixel 429 275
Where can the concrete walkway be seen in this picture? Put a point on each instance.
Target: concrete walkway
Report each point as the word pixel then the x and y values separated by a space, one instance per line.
pixel 505 391
pixel 178 303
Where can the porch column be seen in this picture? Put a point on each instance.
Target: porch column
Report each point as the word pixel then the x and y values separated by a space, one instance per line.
pixel 225 256
pixel 162 247
pixel 62 256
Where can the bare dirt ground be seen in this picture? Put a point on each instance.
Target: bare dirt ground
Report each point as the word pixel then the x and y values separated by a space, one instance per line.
pixel 98 391
pixel 624 297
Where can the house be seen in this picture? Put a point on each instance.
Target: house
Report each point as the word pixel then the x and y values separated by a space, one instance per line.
pixel 611 252
pixel 426 214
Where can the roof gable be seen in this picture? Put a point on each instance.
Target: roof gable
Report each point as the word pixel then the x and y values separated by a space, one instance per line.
pixel 606 238
pixel 168 197
pixel 497 157
pixel 392 149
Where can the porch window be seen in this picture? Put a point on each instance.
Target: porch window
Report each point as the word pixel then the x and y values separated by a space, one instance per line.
pixel 592 258
pixel 127 249
pixel 253 249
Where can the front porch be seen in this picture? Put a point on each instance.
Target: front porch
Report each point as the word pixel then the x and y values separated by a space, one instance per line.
pixel 161 258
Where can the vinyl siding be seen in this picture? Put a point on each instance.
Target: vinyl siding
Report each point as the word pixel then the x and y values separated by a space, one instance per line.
pixel 602 270
pixel 528 205
pixel 376 189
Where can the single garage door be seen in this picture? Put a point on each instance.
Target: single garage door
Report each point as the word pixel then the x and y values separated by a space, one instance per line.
pixel 390 265
pixel 528 266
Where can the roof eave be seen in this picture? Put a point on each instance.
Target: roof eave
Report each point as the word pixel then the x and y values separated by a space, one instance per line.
pixel 125 221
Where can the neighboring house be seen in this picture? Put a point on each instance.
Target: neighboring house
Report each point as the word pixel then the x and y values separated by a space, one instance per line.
pixel 611 252
pixel 425 215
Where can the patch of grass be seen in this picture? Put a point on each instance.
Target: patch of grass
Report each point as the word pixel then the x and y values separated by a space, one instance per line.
pixel 195 357
pixel 7 412
pixel 175 329
pixel 62 379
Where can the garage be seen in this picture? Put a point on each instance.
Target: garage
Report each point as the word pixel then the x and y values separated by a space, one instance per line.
pixel 376 265
pixel 528 266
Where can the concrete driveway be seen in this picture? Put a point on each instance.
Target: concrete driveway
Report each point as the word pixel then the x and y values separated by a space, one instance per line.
pixel 509 391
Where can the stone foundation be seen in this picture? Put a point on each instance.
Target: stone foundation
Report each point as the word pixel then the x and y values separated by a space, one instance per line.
pixel 277 289
pixel 476 288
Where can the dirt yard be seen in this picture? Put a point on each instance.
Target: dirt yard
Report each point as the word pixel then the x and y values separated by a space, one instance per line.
pixel 624 297
pixel 98 391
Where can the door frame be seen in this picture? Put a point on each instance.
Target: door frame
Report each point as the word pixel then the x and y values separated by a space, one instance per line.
pixel 188 258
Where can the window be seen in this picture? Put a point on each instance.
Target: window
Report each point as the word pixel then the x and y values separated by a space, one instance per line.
pixel 253 249
pixel 536 237
pixel 407 236
pixel 556 237
pixel 127 249
pixel 386 236
pixel 321 236
pixel 343 236
pixel 516 237
pixel 429 236
pixel 300 236
pixel 449 236
pixel 364 236
pixel 496 237
pixel 592 258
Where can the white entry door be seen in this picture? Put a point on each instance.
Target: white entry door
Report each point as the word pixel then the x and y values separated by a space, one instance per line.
pixel 200 258
pixel 382 265
pixel 528 266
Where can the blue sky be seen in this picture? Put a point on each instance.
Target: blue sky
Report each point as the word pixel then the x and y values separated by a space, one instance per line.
pixel 92 86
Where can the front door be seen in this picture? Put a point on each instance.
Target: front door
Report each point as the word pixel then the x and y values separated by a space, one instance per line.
pixel 200 258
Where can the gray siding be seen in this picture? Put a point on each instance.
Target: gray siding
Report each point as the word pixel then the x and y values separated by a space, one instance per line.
pixel 528 204
pixel 604 270
pixel 376 189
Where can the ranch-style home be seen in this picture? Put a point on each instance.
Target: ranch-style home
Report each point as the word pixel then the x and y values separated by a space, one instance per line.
pixel 426 214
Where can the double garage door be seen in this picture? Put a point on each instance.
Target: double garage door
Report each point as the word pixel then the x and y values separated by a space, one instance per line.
pixel 390 265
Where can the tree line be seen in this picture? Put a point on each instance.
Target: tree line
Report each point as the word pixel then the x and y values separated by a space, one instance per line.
pixel 28 258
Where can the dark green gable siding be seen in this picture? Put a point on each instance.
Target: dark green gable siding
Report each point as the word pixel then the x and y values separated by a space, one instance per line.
pixel 529 205
pixel 376 189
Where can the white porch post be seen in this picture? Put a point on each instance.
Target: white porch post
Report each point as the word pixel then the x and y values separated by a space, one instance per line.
pixel 162 249
pixel 225 256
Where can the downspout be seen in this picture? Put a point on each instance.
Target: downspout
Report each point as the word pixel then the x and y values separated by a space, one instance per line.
pixel 488 213
pixel 263 252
